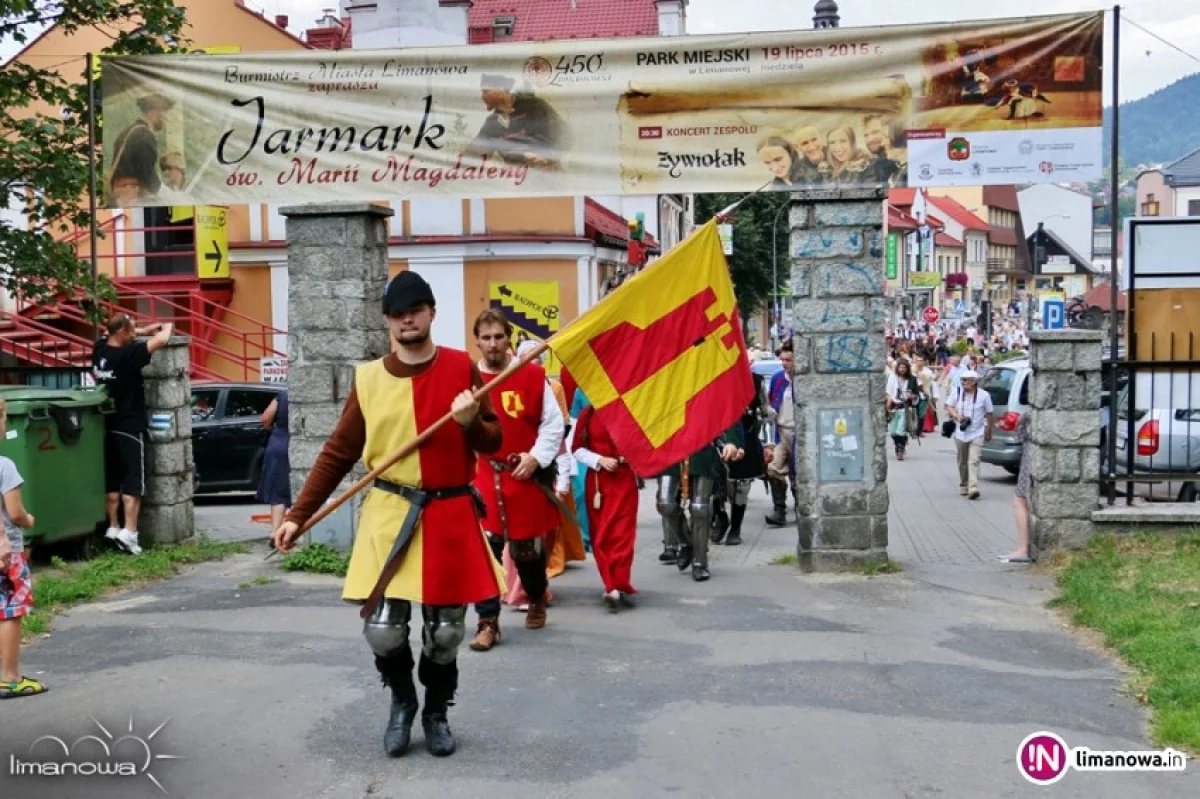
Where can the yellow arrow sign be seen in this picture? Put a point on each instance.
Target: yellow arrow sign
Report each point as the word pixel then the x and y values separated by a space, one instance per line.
pixel 212 242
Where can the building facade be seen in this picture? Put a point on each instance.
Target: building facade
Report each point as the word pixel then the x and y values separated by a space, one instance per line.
pixel 558 254
pixel 1008 264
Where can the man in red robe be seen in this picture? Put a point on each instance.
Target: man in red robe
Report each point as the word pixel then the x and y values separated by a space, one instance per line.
pixel 519 511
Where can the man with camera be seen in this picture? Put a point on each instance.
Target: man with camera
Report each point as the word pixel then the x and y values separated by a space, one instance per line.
pixel 971 409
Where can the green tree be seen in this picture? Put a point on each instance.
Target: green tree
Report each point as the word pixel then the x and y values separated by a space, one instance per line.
pixel 44 156
pixel 751 265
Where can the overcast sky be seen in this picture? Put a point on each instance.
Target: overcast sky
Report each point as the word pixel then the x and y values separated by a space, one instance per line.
pixel 1146 64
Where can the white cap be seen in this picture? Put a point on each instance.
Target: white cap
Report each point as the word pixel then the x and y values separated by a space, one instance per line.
pixel 970 374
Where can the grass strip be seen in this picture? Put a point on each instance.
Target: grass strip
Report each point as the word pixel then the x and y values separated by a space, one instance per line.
pixel 67 584
pixel 1142 593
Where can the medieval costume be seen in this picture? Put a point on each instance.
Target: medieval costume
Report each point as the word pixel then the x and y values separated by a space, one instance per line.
pixel 567 541
pixel 519 512
pixel 612 506
pixel 420 513
pixel 564 544
pixel 686 544
pixel 741 475
pixel 579 402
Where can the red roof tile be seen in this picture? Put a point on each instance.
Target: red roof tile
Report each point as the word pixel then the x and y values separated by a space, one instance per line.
pixel 540 20
pixel 1101 296
pixel 899 220
pixel 901 197
pixel 946 240
pixel 958 212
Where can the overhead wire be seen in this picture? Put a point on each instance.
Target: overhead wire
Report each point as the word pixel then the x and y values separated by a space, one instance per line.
pixel 1167 42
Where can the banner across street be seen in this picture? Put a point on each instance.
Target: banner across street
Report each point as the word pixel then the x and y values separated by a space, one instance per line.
pixel 992 102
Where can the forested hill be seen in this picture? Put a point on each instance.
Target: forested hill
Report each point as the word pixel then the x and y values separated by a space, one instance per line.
pixel 1159 128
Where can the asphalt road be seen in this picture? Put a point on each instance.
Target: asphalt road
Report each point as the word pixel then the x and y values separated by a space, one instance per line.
pixel 761 682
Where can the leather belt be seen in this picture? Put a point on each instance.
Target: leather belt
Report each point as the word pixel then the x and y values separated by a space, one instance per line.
pixel 417 498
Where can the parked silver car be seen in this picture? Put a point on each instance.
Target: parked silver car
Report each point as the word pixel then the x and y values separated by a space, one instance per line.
pixel 1166 430
pixel 1008 385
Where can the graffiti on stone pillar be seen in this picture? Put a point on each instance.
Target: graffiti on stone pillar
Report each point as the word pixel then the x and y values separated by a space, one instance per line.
pixel 849 353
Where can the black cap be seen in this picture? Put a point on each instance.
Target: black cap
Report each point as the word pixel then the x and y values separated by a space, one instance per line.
pixel 407 290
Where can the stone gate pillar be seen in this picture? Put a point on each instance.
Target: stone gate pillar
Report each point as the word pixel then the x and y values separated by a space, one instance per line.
pixel 841 431
pixel 167 514
pixel 1064 436
pixel 337 274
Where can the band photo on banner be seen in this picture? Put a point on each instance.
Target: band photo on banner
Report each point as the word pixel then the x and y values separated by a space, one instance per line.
pixel 974 103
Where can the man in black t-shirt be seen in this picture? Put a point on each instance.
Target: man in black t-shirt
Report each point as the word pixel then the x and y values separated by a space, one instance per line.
pixel 117 364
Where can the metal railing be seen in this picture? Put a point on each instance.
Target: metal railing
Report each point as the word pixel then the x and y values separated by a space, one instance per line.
pixel 191 313
pixel 39 345
pixel 246 341
pixel 199 367
pixel 198 319
pixel 1151 430
pixel 1000 265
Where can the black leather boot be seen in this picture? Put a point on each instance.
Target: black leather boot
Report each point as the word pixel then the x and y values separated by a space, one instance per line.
pixel 779 517
pixel 440 681
pixel 685 557
pixel 736 514
pixel 669 555
pixel 396 672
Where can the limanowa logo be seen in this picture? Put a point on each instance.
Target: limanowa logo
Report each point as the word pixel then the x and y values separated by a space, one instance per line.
pixel 103 756
pixel 1044 758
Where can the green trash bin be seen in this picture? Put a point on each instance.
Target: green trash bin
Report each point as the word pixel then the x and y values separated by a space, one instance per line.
pixel 56 439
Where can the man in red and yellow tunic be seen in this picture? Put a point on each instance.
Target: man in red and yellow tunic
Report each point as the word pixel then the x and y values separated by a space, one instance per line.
pixel 445 564
pixel 519 509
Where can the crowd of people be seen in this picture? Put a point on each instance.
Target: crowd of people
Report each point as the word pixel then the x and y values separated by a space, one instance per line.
pixel 933 383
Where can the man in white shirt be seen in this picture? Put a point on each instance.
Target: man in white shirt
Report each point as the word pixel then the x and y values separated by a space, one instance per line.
pixel 971 409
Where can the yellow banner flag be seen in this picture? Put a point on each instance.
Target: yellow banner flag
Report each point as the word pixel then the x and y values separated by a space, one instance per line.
pixel 662 358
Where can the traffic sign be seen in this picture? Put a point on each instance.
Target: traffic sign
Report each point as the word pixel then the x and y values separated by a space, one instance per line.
pixel 1054 314
pixel 212 242
pixel 931 315
pixel 960 306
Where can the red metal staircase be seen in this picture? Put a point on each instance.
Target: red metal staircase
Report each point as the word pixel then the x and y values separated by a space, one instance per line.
pixel 225 344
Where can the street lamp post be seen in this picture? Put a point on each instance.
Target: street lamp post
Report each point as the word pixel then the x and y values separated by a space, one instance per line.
pixel 775 275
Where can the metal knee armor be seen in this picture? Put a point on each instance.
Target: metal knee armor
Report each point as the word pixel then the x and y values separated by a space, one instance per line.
pixel 444 630
pixel 700 508
pixel 386 630
pixel 668 507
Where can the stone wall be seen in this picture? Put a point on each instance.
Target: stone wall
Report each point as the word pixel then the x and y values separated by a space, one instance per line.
pixel 1064 436
pixel 167 512
pixel 838 289
pixel 337 274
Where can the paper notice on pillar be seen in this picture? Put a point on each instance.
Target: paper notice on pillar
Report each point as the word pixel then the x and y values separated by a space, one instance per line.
pixel 532 308
pixel 981 102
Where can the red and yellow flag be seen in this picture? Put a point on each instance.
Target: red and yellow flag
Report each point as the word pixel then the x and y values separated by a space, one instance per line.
pixel 662 359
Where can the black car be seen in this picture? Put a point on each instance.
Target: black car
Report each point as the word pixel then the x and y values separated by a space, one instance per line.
pixel 228 439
